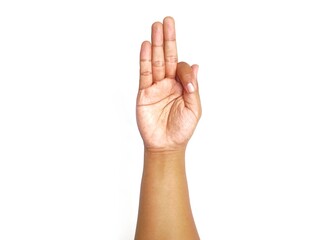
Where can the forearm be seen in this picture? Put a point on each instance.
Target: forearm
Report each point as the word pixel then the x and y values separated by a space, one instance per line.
pixel 165 211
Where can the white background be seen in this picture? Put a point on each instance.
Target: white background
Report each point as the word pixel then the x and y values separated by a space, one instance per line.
pixel 71 154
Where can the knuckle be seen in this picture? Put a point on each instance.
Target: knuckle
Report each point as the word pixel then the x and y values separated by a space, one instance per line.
pixel 146 73
pixel 171 59
pixel 158 64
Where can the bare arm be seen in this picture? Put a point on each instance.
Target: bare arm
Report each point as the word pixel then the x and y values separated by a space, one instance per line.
pixel 168 110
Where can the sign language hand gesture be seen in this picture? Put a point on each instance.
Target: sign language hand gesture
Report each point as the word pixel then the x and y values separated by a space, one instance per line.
pixel 168 102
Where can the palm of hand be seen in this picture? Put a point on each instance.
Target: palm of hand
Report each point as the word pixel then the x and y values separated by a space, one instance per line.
pixel 163 119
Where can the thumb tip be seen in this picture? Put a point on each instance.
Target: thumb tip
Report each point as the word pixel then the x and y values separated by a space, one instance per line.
pixel 190 88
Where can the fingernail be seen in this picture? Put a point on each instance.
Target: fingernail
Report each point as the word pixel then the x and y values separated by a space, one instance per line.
pixel 190 87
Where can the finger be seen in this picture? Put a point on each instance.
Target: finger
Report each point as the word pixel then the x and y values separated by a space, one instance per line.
pixel 195 69
pixel 188 77
pixel 145 66
pixel 158 66
pixel 170 47
pixel 198 108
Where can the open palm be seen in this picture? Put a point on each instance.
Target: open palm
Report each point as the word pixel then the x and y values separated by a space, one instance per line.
pixel 168 103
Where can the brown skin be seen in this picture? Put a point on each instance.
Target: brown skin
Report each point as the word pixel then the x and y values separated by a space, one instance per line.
pixel 168 110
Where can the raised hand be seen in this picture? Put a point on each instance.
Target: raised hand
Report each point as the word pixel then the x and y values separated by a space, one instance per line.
pixel 168 103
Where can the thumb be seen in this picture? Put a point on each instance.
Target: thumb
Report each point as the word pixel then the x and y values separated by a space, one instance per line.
pixel 187 75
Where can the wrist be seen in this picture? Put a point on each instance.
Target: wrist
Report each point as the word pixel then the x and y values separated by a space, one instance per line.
pixel 165 153
pixel 164 160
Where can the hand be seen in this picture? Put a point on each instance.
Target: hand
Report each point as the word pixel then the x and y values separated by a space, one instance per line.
pixel 168 102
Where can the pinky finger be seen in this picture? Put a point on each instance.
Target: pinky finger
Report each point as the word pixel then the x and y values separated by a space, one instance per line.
pixel 145 66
